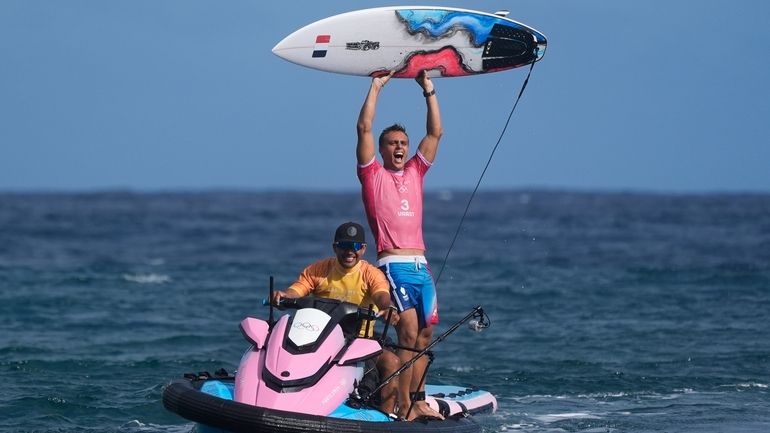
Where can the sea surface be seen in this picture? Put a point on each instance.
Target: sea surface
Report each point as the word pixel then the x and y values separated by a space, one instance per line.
pixel 611 312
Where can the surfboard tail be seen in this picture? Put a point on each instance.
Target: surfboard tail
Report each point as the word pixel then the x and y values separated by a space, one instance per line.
pixel 509 47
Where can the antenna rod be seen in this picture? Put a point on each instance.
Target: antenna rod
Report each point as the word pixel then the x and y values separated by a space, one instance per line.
pixel 387 323
pixel 270 320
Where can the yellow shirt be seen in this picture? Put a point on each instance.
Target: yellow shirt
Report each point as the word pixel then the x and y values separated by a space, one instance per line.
pixel 328 279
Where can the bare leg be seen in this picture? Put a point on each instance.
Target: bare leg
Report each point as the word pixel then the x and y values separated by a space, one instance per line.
pixel 421 408
pixel 387 364
pixel 409 335
pixel 423 339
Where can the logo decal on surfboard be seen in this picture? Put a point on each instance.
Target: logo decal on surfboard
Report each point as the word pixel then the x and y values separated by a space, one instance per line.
pixel 364 45
pixel 321 45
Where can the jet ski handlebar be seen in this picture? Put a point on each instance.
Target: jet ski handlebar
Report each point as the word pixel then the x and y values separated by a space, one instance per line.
pixel 332 307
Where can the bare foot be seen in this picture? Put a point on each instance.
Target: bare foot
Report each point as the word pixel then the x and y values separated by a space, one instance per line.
pixel 421 408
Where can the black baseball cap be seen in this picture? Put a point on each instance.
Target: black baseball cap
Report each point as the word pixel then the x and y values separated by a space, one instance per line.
pixel 350 232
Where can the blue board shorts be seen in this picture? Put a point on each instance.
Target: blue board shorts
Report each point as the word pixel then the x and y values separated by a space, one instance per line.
pixel 411 286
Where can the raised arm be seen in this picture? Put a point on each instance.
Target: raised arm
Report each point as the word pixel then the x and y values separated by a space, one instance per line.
pixel 429 144
pixel 365 147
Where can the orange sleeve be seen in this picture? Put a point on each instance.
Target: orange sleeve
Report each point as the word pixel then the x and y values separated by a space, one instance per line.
pixel 311 277
pixel 375 279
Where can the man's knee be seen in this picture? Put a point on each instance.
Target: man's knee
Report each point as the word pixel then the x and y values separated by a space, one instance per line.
pixel 425 336
pixel 407 339
pixel 407 328
pixel 388 363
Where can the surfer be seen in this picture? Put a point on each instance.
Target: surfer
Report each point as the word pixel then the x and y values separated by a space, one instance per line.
pixel 392 195
pixel 346 277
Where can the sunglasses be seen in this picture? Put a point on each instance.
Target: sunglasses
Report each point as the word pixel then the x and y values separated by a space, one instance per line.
pixel 355 246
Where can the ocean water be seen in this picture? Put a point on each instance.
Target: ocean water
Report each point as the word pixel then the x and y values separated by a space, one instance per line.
pixel 611 312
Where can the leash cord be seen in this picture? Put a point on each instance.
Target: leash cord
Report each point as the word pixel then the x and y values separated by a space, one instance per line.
pixel 483 172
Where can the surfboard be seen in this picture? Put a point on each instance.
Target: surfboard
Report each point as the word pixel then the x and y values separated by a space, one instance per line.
pixel 448 42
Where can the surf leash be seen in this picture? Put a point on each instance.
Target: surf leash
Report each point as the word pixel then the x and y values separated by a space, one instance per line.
pixel 483 172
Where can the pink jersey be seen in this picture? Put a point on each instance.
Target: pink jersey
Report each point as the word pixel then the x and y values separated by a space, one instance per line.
pixel 393 202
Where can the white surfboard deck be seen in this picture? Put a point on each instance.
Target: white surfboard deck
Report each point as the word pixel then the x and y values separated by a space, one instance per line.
pixel 448 42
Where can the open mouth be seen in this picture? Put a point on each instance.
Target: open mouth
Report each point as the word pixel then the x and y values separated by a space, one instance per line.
pixel 398 156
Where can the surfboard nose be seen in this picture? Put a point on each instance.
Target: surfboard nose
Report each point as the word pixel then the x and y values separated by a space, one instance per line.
pixel 280 46
pixel 287 50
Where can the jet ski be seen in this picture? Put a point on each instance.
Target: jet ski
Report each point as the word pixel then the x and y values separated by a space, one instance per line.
pixel 304 373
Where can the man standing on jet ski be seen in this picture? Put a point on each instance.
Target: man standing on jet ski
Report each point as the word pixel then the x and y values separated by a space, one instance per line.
pixel 392 195
pixel 346 277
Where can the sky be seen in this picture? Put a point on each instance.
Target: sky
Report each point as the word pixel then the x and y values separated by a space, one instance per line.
pixel 148 95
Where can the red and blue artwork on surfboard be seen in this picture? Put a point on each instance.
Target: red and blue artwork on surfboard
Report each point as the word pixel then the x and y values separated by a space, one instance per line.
pixel 448 42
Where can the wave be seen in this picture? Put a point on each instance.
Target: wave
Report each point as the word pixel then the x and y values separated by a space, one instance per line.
pixel 147 278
